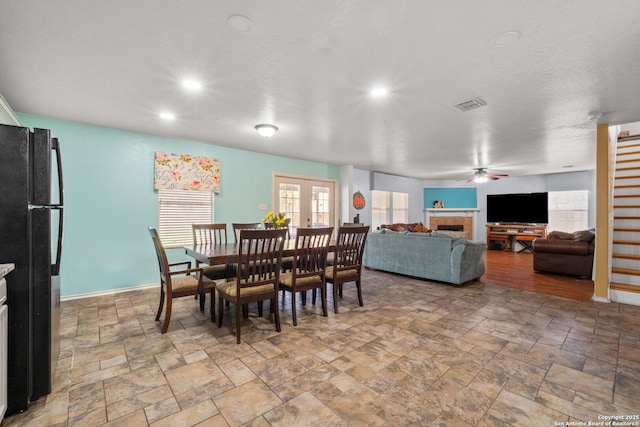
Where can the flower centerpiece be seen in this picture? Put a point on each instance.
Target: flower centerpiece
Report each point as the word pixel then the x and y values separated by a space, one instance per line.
pixel 278 220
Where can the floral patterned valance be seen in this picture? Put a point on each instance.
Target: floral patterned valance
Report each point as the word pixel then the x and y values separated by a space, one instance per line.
pixel 185 172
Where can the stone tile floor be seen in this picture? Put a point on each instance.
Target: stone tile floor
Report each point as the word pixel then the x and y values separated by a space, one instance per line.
pixel 417 353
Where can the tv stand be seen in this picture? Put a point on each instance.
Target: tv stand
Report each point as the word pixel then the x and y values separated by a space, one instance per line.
pixel 509 234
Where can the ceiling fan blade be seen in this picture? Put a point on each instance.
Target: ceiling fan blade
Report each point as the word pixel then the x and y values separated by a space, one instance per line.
pixel 493 177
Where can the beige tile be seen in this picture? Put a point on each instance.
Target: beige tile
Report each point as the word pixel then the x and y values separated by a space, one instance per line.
pixel 246 402
pixel 304 410
pixel 580 381
pixel 192 376
pixel 190 416
pixel 515 410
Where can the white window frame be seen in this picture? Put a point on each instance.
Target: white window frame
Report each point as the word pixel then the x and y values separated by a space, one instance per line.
pixel 178 210
pixel 388 213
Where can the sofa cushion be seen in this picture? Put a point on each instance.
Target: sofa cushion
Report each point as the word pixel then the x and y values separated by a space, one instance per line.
pixel 560 235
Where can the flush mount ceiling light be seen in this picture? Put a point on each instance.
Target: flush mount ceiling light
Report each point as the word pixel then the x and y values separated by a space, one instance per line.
pixel 266 131
pixel 167 115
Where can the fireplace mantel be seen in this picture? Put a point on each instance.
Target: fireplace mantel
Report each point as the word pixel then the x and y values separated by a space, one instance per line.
pixel 443 213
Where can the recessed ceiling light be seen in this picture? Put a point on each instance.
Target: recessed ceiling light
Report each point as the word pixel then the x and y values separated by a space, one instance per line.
pixel 239 23
pixel 379 92
pixel 191 85
pixel 167 115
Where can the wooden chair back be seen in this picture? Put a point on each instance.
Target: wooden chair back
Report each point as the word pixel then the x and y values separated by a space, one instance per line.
pixel 188 281
pixel 352 224
pixel 209 234
pixel 258 273
pixel 347 261
pixel 310 253
pixel 237 227
pixel 350 247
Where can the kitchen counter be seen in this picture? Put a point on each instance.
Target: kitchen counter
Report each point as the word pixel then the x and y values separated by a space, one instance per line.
pixel 6 269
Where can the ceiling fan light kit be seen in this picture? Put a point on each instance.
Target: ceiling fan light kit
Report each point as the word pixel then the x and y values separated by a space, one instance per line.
pixel 481 176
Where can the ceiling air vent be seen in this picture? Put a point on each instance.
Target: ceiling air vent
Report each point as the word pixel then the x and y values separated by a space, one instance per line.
pixel 471 104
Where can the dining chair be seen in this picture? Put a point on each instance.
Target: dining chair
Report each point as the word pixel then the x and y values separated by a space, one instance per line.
pixel 257 276
pixel 309 264
pixel 237 227
pixel 287 261
pixel 352 224
pixel 347 261
pixel 212 234
pixel 179 283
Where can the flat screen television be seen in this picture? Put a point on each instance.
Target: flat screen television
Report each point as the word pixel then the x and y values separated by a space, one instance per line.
pixel 522 208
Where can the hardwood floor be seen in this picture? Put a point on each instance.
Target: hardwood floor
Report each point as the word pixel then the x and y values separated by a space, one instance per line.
pixel 515 270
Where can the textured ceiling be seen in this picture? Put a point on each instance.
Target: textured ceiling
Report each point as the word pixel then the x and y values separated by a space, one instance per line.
pixel 307 67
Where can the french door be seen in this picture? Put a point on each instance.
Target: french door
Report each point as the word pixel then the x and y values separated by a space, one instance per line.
pixel 309 202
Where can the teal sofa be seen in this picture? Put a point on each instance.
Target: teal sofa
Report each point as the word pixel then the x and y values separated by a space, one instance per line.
pixel 433 256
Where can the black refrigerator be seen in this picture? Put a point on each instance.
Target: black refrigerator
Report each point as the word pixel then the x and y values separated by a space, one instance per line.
pixel 31 219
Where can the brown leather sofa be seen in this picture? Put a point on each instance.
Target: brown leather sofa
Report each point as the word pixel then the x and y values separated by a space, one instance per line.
pixel 565 253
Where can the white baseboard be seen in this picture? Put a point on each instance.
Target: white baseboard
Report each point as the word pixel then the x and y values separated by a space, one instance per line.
pixel 623 297
pixel 600 299
pixel 109 292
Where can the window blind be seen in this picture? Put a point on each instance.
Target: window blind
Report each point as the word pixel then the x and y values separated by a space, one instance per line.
pixel 177 210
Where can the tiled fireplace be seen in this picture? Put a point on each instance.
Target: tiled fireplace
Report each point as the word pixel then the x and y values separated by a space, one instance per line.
pixel 451 219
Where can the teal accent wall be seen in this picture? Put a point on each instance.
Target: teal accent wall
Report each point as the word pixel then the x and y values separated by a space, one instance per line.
pixel 452 197
pixel 110 201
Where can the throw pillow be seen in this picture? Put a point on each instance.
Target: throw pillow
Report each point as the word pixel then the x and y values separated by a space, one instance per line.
pixel 420 228
pixel 398 227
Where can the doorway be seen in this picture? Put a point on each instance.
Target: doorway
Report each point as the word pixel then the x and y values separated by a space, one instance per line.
pixel 307 201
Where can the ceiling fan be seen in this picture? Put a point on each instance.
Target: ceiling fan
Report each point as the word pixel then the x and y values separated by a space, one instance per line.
pixel 481 175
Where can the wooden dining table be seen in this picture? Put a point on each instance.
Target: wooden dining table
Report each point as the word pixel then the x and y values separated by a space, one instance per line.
pixel 228 253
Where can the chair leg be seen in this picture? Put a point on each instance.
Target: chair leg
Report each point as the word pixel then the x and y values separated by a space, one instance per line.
pixel 220 309
pixel 340 290
pixel 293 308
pixel 335 297
pixel 213 305
pixel 304 297
pixel 276 312
pixel 161 305
pixel 323 295
pixel 245 311
pixel 202 298
pixel 238 310
pixel 167 316
pixel 359 288
pixel 260 306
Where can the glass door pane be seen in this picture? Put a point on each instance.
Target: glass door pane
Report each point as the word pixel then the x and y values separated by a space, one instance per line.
pixel 289 195
pixel 308 202
pixel 320 206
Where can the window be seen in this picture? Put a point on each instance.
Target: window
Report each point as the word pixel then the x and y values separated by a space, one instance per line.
pixel 177 210
pixel 388 208
pixel 568 210
pixel 400 207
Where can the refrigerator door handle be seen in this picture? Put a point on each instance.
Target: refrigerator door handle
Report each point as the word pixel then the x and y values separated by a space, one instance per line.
pixel 55 267
pixel 55 145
